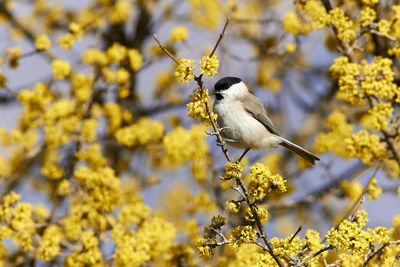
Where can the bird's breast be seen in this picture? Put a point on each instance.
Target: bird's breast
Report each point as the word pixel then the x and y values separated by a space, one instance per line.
pixel 241 129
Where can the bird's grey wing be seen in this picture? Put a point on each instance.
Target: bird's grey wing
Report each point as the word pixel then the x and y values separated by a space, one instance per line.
pixel 256 109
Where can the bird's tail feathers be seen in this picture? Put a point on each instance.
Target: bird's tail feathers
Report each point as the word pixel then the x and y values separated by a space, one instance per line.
pixel 308 156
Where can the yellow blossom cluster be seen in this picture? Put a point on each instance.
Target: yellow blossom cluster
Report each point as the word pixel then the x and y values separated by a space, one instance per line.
pixel 184 71
pixel 16 222
pixel 233 170
pixel 262 213
pixel 243 235
pixel 266 75
pixel 120 12
pixel 262 181
pixel 67 41
pixel 288 246
pixel 311 15
pixel 352 189
pixel 350 236
pixel 206 14
pixel 365 146
pixel 197 107
pixel 140 133
pixel 343 24
pixel 368 15
pixel 61 69
pixel 153 237
pixel 377 116
pixel 209 65
pixel 42 42
pixel 374 190
pixel 13 54
pixel 181 146
pixel 179 34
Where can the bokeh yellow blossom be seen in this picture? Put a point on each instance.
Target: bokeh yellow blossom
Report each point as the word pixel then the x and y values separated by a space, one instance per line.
pixel 42 42
pixel 178 34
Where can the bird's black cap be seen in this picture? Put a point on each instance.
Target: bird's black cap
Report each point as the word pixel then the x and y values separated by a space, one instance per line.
pixel 225 83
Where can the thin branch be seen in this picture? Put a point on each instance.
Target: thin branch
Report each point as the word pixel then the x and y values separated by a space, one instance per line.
pixel 315 255
pixel 379 250
pixel 357 204
pixel 222 34
pixel 294 235
pixel 165 50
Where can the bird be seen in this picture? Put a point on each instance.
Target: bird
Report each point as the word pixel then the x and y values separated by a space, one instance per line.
pixel 244 122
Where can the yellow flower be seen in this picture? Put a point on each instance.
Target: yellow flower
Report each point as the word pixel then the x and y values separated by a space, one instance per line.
pixel 368 15
pixel 178 34
pixel 343 24
pixel 384 26
pixel 313 240
pixel 262 213
pixel 94 56
pixel 209 65
pixel 262 181
pixel 63 188
pixel 120 12
pixel 135 59
pixel 379 114
pixel 396 221
pixel 291 23
pixel 365 146
pixel 76 30
pixel 290 48
pixel 373 189
pixel 370 2
pixel 203 201
pixel 81 86
pixel 350 236
pixel 42 42
pixel 50 245
pixel 184 71
pixel 142 132
pixel 88 132
pixel 52 171
pixel 197 107
pixel 233 206
pixel 206 14
pixel 352 189
pixel 66 41
pixel 233 170
pixel 182 146
pixel 116 53
pixel 243 234
pixel 203 249
pixel 12 55
pixel 60 68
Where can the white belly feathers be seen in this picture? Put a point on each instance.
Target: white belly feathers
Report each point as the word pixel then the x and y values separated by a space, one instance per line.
pixel 242 130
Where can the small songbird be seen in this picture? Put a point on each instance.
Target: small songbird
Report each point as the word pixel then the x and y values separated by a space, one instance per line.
pixel 244 121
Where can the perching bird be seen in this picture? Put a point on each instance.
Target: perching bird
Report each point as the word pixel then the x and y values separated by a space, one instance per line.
pixel 244 121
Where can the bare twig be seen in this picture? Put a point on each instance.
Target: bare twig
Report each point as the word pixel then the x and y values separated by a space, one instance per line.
pixel 222 34
pixel 357 204
pixel 379 250
pixel 295 234
pixel 315 255
pixel 165 50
